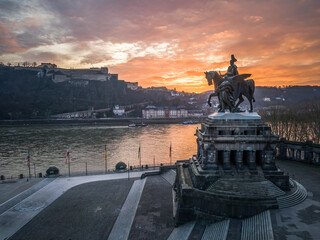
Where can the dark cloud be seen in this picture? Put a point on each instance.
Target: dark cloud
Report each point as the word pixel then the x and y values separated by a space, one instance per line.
pixel 8 42
pixel 44 56
pixel 278 38
pixel 7 6
pixel 95 58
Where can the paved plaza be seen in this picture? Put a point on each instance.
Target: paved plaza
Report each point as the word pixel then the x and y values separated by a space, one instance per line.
pixel 113 207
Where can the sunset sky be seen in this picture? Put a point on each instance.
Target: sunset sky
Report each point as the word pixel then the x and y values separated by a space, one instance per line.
pixel 168 43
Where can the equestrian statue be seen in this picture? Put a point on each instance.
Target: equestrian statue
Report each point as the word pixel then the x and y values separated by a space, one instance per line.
pixel 230 87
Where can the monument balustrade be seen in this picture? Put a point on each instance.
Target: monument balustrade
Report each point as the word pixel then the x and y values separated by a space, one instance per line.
pixel 307 152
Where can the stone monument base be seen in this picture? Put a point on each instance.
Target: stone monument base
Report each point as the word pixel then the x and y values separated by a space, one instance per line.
pixel 230 196
pixel 233 174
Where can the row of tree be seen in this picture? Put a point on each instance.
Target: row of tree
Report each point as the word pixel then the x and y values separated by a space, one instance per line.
pixel 299 122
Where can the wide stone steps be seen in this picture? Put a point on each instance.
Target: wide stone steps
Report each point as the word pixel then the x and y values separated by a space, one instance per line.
pixel 249 189
pixel 216 231
pixel 258 227
pixel 294 199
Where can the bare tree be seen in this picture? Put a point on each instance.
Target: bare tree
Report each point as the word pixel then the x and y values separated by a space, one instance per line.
pixel 9 64
pixel 298 122
pixel 34 64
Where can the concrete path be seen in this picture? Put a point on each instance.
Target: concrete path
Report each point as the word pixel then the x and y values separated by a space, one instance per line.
pixel 182 232
pixel 298 222
pixel 16 217
pixel 122 226
pixel 12 187
pixel 19 197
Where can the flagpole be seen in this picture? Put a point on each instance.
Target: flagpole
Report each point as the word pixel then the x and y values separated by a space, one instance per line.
pixel 68 162
pixel 139 155
pixel 105 159
pixel 86 167
pixel 128 171
pixel 69 165
pixel 29 164
pixel 170 154
pixel 154 162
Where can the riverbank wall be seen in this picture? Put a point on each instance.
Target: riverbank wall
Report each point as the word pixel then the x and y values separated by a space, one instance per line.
pixel 99 121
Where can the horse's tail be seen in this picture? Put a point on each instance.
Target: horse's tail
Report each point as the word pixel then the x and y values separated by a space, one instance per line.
pixel 251 88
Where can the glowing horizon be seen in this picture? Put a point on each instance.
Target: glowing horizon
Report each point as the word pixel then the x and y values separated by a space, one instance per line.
pixel 168 43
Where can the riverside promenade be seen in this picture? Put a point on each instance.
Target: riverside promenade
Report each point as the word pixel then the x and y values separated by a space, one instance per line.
pixel 113 207
pixel 20 214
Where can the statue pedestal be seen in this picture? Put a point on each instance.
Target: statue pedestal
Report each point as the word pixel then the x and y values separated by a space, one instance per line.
pixel 240 115
pixel 234 172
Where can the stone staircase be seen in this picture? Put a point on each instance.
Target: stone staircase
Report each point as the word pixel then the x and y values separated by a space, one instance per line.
pixel 249 188
pixel 293 199
pixel 216 231
pixel 258 227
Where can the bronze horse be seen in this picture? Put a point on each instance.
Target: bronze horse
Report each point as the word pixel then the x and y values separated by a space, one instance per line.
pixel 241 87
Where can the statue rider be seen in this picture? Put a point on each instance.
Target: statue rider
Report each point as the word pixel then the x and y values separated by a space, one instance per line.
pixel 232 69
pixel 225 90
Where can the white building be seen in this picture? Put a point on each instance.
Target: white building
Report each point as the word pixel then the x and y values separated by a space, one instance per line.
pixel 118 110
pixel 164 112
pixel 132 85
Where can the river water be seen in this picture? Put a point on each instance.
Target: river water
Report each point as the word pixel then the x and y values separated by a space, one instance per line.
pixel 48 146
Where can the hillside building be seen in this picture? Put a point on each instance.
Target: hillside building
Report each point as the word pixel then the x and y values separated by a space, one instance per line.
pixel 118 110
pixel 132 85
pixel 164 112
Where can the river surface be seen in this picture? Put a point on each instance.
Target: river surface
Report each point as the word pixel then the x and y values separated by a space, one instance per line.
pixel 48 146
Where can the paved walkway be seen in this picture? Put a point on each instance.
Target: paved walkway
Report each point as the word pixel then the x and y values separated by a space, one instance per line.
pixel 16 217
pixel 182 232
pixel 122 226
pixel 19 197
pixel 12 187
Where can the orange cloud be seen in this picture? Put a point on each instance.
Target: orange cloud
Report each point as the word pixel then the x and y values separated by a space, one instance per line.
pixel 169 43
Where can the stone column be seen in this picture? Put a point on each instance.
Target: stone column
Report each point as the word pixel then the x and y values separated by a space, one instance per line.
pixel 239 160
pixel 298 155
pixel 291 151
pixel 252 160
pixel 308 154
pixel 282 152
pixel 226 160
pixel 317 158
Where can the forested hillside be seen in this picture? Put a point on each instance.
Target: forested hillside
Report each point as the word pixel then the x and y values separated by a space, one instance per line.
pixel 23 95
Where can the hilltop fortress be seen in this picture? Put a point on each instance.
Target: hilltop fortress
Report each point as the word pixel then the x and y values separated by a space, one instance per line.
pixel 62 74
